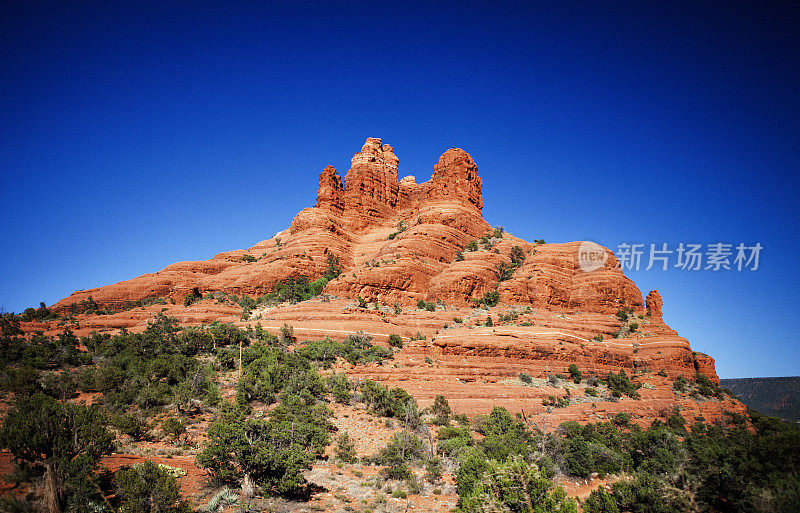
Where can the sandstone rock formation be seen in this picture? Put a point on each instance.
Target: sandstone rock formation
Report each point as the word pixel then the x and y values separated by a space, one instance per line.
pixel 654 303
pixel 399 241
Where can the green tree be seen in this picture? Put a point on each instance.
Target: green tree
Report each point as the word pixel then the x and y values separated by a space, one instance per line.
pixel 64 441
pixel 269 454
pixel 518 487
pixel 575 373
pixel 345 448
pixel 395 341
pixel 491 298
pixel 517 256
pixel 470 472
pixel 504 435
pixel 600 501
pixel 173 427
pixel 334 267
pixel 148 488
pixel 441 411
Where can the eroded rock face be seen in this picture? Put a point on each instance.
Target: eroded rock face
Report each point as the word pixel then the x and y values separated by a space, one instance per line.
pixel 331 192
pixel 371 185
pixel 455 177
pixel 654 303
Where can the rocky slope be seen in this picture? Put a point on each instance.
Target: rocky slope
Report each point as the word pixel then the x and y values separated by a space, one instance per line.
pixel 398 242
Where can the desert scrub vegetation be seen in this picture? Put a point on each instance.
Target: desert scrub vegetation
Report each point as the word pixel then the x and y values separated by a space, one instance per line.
pixel 575 373
pixel 401 227
pixel 667 466
pixel 489 299
pixel 386 402
pixel 702 387
pixel 263 439
pixel 356 349
pixel 620 385
pixel 395 341
pixel 423 305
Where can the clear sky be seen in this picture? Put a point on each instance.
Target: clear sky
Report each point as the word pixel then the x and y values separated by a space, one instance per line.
pixel 134 137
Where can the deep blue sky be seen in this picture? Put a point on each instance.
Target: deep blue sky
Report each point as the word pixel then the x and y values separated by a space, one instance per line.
pixel 134 137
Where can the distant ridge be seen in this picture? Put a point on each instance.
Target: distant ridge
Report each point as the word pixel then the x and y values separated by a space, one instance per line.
pixel 777 397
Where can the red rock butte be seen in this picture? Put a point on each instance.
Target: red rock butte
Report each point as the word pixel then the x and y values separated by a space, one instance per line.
pixel 353 221
pixel 399 241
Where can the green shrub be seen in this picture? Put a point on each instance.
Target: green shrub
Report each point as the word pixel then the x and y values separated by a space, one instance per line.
pixel 62 442
pixel 395 341
pixel 504 435
pixel 622 419
pixel 273 452
pixel 129 424
pixel 422 305
pixel 491 298
pixel 600 501
pixel 173 427
pixel 192 297
pixel 575 373
pixel 357 349
pixel 452 441
pixel 433 470
pixel 706 387
pixel 470 472
pixel 401 227
pixel 556 402
pixel 441 411
pixel 504 271
pixel 515 485
pixel 148 488
pixel 334 268
pixel 345 448
pixel 462 419
pixel 404 449
pixel 316 287
pixel 517 256
pixel 619 384
pixel 339 386
pixel 395 403
pixel 525 378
